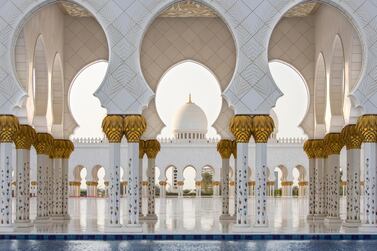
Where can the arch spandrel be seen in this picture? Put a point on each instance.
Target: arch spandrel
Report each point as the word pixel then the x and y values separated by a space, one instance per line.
pixel 128 34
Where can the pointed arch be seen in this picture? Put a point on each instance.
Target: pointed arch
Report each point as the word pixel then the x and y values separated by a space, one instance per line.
pixel 336 84
pixel 320 84
pixel 57 91
pixel 40 78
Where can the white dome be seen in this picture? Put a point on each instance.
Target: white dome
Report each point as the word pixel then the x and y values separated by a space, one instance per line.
pixel 190 118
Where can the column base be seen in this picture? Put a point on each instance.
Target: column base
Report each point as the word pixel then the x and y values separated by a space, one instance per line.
pixel 42 220
pixel 150 217
pixel 7 228
pixel 23 224
pixel 333 220
pixel 133 228
pixel 113 228
pixel 261 229
pixel 351 223
pixel 57 218
pixel 67 217
pixel 241 228
pixel 368 228
pixel 310 217
pixel 318 217
pixel 226 217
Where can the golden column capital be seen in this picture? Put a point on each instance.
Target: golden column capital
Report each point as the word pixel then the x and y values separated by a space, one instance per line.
pixel 8 127
pixel 152 148
pixel 319 148
pixel 25 137
pixel 59 149
pixel 334 143
pixel 240 126
pixel 367 126
pixel 112 126
pixel 225 148
pixel 309 148
pixel 141 149
pixel 352 137
pixel 262 127
pixel 69 147
pixel 134 126
pixel 43 143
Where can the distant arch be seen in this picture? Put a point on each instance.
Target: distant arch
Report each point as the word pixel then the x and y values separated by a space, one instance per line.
pixel 40 83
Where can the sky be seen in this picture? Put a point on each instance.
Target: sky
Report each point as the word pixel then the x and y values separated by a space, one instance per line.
pixel 173 91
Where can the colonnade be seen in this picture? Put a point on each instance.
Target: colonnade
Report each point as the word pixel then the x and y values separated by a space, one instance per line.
pixel 132 127
pixel 324 173
pixel 52 174
pixel 243 127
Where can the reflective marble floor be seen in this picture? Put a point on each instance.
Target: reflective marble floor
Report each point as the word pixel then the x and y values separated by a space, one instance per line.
pixel 188 215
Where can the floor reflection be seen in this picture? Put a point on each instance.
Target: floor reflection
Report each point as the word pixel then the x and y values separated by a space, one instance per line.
pixel 186 215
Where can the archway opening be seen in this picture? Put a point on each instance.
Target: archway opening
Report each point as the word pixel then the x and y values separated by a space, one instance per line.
pixel 303 39
pixel 171 174
pixel 184 80
pixel 189 176
pixel 54 43
pixel 81 99
pixel 292 106
pixel 83 186
pixel 207 180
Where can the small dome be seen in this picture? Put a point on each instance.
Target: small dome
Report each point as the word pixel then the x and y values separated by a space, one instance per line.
pixel 190 118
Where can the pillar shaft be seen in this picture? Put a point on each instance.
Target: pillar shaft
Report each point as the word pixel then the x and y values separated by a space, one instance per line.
pixel 50 189
pixel 43 161
pixel 370 169
pixel 114 184
pixel 333 184
pixel 23 186
pixel 261 184
pixel 225 187
pixel 312 188
pixel 134 183
pixel 140 164
pixel 58 188
pixel 5 184
pixel 65 163
pixel 353 185
pixel 151 187
pixel 319 188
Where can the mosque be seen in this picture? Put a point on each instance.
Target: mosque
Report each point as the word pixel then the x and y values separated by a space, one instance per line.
pixel 245 180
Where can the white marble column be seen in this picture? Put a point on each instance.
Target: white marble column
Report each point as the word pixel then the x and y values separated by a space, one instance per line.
pixel 198 188
pixel 234 152
pixel 58 180
pixel 43 145
pixel 241 126
pixel 224 147
pixel 114 185
pixel 320 211
pixel 68 147
pixel 367 126
pixel 225 190
pixel 50 188
pixel 113 127
pixel 134 126
pixel 262 127
pixel 140 193
pixel 334 143
pixel 260 184
pixel 162 189
pixel 8 127
pixel 353 140
pixel 24 138
pixel 152 147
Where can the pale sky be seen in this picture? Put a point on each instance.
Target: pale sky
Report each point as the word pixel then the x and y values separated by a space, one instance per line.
pixel 173 91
